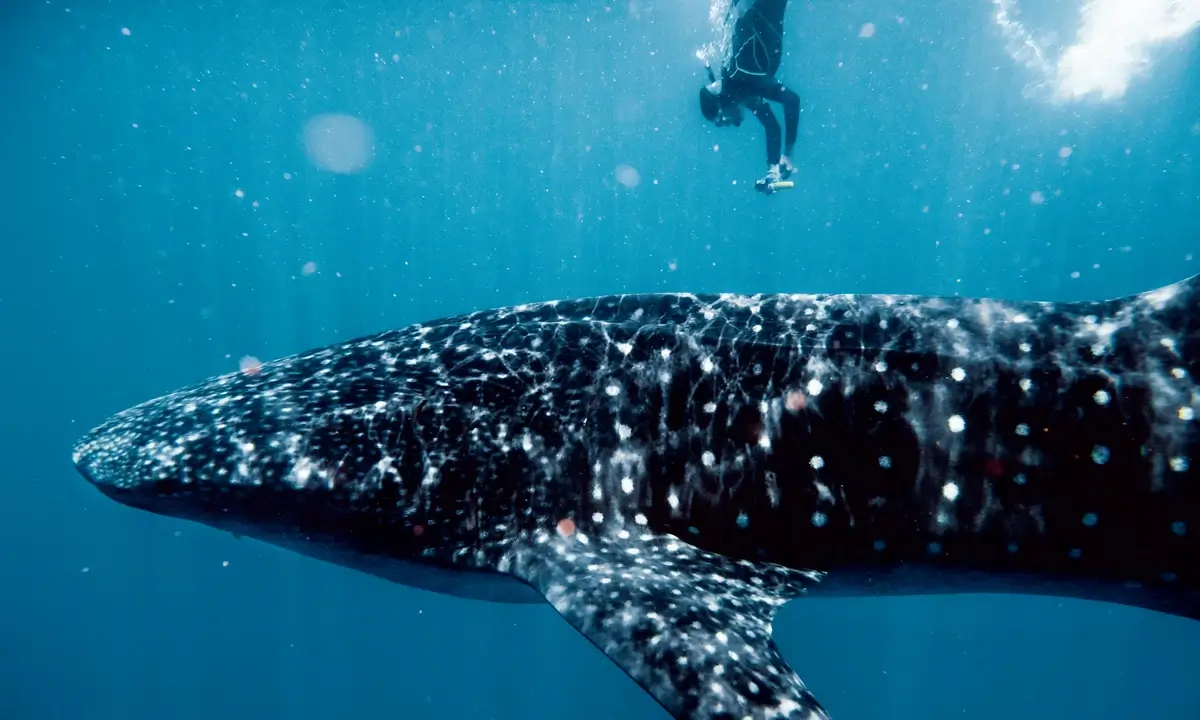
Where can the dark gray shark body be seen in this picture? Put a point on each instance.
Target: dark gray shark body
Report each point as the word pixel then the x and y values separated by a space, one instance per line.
pixel 666 470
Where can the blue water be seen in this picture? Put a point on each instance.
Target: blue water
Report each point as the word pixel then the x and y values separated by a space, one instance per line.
pixel 162 221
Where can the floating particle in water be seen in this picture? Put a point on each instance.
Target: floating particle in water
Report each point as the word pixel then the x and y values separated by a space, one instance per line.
pixel 1037 197
pixel 1064 152
pixel 126 32
pixel 628 176
pixel 339 143
pixel 867 30
pixel 250 365
pixel 309 268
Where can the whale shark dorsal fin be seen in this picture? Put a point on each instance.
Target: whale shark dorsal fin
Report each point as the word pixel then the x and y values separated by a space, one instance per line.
pixel 692 628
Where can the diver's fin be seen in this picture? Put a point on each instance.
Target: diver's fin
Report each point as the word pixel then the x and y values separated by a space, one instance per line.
pixel 692 628
pixel 770 188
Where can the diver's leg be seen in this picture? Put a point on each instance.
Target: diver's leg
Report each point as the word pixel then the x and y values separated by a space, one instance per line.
pixel 791 122
pixel 770 124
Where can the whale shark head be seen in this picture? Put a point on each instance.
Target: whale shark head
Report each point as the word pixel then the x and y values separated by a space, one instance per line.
pixel 276 456
pixel 175 459
pixel 264 454
pixel 131 459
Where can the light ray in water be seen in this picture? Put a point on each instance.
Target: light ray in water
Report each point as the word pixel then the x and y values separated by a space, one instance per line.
pixel 1113 45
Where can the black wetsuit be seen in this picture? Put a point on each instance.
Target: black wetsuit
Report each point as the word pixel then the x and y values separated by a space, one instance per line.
pixel 749 78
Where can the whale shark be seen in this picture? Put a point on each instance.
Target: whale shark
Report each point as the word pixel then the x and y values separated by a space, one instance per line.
pixel 667 470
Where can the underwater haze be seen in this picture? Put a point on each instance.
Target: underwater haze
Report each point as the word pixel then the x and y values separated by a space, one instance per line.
pixel 190 189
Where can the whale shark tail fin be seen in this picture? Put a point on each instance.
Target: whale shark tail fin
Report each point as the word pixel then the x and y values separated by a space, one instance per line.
pixel 692 628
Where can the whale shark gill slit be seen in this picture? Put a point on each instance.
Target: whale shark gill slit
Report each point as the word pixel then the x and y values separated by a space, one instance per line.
pixel 666 470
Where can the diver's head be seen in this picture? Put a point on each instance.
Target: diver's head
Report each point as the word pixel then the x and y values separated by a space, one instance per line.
pixel 716 108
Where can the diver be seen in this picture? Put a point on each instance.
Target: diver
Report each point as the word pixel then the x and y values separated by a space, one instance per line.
pixel 748 79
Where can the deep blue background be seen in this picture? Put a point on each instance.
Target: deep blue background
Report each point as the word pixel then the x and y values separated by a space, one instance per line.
pixel 130 266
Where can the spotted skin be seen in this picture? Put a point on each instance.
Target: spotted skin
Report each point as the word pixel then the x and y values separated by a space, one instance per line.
pixel 666 470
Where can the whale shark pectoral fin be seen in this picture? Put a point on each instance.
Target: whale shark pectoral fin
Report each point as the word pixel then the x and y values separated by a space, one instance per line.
pixel 692 628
